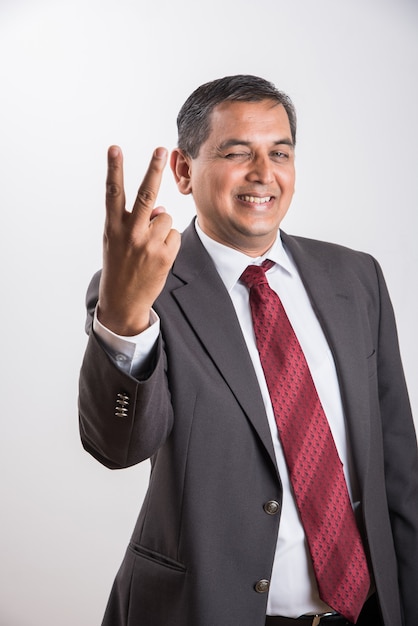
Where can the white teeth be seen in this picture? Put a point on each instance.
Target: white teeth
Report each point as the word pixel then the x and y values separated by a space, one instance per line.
pixel 255 199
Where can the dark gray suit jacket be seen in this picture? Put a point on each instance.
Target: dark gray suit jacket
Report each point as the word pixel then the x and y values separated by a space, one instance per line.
pixel 206 534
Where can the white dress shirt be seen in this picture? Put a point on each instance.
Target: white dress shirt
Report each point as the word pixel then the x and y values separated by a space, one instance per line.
pixel 293 590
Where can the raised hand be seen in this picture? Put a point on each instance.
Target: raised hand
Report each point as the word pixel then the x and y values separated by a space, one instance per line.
pixel 139 248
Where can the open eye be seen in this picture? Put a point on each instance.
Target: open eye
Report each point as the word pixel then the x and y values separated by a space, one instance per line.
pixel 279 155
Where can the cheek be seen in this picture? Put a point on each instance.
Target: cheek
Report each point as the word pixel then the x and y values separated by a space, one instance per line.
pixel 217 194
pixel 287 182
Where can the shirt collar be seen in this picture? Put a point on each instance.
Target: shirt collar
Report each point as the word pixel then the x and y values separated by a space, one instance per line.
pixel 230 263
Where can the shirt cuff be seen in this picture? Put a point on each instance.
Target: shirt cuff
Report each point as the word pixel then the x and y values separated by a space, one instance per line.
pixel 130 354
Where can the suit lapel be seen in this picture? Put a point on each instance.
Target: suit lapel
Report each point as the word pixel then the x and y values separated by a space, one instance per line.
pixel 337 308
pixel 206 304
pixel 202 291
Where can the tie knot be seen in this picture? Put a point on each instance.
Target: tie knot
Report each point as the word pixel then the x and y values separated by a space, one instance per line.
pixel 256 274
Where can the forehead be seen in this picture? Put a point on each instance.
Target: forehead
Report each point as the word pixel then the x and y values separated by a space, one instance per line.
pixel 249 119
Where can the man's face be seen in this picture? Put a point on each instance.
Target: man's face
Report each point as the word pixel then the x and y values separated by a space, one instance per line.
pixel 243 178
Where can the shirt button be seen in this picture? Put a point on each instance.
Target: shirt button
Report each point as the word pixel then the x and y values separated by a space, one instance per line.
pixel 271 507
pixel 262 586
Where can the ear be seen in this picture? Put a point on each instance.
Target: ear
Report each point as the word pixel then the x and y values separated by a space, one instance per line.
pixel 181 166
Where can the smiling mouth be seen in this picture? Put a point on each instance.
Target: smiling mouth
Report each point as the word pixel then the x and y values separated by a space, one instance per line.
pixel 255 199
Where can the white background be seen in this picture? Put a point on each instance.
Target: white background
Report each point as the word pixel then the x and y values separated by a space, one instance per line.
pixel 76 77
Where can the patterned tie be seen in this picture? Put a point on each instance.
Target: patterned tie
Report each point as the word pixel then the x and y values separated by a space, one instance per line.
pixel 314 467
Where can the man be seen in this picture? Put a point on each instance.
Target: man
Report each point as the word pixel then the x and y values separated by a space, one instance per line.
pixel 174 371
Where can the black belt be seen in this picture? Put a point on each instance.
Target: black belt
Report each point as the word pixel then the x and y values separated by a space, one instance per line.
pixel 324 619
pixel 369 615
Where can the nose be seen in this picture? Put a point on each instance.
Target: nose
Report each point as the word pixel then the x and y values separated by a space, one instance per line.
pixel 260 170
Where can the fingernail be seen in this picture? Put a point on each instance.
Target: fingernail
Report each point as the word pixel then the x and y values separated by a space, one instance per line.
pixel 114 151
pixel 160 153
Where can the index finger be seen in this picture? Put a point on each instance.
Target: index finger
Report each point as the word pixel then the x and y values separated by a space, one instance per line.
pixel 148 190
pixel 115 193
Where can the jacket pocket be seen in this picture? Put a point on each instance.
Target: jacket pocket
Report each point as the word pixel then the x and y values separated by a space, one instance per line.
pixel 156 557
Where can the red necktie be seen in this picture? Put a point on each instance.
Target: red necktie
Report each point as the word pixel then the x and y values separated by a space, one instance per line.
pixel 312 459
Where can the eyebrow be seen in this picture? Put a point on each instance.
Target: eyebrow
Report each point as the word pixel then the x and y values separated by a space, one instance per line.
pixel 230 143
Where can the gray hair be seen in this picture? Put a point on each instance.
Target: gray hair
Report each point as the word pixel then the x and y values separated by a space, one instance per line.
pixel 194 118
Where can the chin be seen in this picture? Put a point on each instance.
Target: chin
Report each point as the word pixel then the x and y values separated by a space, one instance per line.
pixel 261 229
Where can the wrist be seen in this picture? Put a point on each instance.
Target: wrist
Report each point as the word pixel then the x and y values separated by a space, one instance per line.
pixel 123 324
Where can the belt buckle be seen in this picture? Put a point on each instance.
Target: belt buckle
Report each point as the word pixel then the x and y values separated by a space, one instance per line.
pixel 317 618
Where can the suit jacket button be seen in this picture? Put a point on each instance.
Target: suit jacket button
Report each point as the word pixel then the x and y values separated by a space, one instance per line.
pixel 262 586
pixel 271 507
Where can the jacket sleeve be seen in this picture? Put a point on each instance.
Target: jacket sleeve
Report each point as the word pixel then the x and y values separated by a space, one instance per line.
pixel 122 420
pixel 400 455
